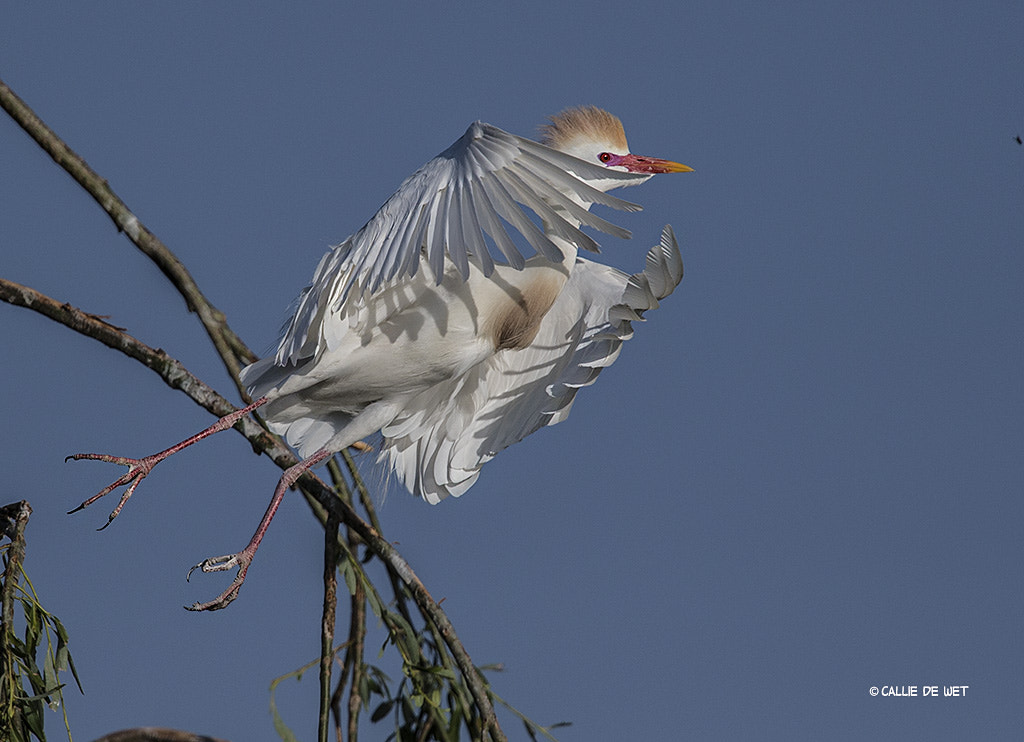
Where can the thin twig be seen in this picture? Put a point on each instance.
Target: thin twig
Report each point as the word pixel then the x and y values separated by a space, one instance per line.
pixel 357 629
pixel 327 622
pixel 353 663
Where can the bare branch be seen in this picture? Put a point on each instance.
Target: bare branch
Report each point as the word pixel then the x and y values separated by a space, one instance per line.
pixel 229 346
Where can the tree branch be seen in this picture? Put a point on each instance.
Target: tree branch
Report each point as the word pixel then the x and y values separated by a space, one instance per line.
pixel 175 375
pixel 229 346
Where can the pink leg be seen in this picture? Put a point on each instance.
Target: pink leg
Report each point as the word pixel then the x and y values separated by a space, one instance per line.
pixel 243 559
pixel 138 469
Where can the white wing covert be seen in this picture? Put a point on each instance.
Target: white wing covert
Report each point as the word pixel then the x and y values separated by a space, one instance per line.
pixel 442 438
pixel 443 211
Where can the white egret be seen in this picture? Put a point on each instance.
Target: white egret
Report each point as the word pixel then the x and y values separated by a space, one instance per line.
pixel 412 327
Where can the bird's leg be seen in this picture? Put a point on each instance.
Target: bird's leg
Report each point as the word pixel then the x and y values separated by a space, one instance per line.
pixel 242 559
pixel 371 419
pixel 138 469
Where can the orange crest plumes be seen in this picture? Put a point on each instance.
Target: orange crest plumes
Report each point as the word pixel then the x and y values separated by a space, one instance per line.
pixel 584 122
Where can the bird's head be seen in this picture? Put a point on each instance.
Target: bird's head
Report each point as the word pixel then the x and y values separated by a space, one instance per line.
pixel 596 136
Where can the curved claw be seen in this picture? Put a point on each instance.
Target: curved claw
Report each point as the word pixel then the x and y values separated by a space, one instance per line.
pixel 138 469
pixel 216 564
pixel 220 564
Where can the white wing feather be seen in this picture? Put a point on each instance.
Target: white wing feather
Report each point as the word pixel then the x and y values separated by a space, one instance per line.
pixel 443 211
pixel 443 436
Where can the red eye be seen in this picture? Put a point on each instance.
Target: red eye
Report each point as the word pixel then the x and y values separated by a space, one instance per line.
pixel 604 157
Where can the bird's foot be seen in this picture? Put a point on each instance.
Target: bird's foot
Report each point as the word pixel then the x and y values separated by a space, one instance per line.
pixel 241 560
pixel 138 469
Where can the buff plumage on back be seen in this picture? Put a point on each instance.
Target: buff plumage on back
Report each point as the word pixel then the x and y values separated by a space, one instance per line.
pixel 589 122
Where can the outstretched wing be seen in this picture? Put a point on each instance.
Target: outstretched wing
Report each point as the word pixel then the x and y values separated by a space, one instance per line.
pixel 440 441
pixel 442 212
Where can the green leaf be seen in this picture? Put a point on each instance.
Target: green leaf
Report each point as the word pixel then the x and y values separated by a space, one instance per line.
pixel 17 647
pixel 443 672
pixel 375 604
pixel 43 696
pixel 62 633
pixel 405 637
pixel 20 734
pixel 34 676
pixel 455 722
pixel 50 679
pixel 74 673
pixel 34 718
pixel 61 657
pixel 382 710
pixel 33 624
pixel 349 573
pixel 280 727
pixel 372 686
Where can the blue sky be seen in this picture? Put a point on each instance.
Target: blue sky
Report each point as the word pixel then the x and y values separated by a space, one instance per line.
pixel 800 480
